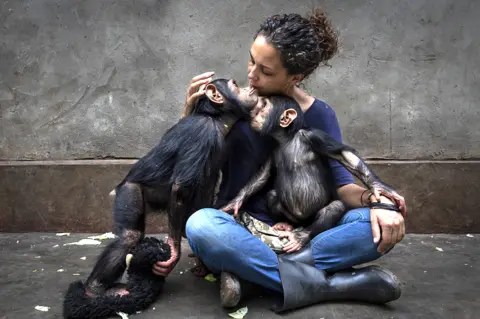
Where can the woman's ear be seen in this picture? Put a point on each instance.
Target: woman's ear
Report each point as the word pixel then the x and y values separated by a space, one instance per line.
pixel 296 79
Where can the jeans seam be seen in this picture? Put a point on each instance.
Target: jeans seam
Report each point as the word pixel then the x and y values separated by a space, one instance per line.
pixel 359 218
pixel 339 228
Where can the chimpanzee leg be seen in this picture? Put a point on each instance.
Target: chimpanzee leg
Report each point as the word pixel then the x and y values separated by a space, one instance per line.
pixel 328 217
pixel 276 208
pixel 129 226
pixel 274 205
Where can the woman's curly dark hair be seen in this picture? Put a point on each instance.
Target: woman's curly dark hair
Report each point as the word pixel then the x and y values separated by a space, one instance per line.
pixel 303 43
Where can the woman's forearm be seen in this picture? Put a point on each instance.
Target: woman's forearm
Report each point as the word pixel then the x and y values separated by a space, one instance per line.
pixel 357 196
pixel 353 195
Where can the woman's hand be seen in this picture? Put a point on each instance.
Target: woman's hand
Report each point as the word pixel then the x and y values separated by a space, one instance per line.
pixel 195 90
pixel 388 225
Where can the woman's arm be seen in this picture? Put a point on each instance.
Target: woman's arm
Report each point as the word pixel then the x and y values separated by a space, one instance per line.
pixel 354 195
pixel 386 224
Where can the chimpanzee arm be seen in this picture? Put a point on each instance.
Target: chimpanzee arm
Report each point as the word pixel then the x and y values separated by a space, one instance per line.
pixel 176 218
pixel 257 182
pixel 254 185
pixel 325 145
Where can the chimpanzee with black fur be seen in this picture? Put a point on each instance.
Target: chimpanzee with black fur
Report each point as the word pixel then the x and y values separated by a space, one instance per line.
pixel 304 192
pixel 178 176
pixel 141 290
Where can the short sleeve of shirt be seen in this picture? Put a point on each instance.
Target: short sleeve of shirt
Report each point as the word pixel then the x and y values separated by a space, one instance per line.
pixel 321 116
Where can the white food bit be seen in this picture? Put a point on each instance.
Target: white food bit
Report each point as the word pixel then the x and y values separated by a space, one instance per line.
pixel 103 236
pixel 123 315
pixel 128 259
pixel 84 242
pixel 42 308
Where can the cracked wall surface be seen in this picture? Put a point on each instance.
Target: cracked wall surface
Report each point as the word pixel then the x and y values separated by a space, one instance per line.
pixel 96 79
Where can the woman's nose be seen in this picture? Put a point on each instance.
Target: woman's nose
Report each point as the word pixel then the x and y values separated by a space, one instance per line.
pixel 252 74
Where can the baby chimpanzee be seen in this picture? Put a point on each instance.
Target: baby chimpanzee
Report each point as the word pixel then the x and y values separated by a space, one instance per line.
pixel 178 176
pixel 304 192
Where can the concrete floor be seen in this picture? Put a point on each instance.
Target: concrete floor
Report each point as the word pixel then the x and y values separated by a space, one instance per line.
pixel 438 272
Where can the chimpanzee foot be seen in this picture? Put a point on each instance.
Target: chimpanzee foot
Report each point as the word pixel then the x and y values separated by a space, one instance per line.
pixel 283 226
pixel 95 288
pixel 88 293
pixel 199 270
pixel 121 290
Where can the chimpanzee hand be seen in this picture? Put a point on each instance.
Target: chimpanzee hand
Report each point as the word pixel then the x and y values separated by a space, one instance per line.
pixel 195 90
pixel 233 205
pixel 296 240
pixel 283 226
pixel 163 268
pixel 379 188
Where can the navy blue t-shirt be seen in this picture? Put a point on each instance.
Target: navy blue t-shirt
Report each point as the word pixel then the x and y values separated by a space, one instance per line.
pixel 247 152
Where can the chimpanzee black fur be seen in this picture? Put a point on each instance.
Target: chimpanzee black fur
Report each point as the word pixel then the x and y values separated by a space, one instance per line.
pixel 142 285
pixel 304 192
pixel 178 176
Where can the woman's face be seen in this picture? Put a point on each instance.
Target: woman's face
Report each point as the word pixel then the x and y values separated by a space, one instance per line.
pixel 265 69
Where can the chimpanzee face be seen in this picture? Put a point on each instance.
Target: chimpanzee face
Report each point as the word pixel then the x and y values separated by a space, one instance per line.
pixel 261 113
pixel 229 95
pixel 247 95
pixel 274 113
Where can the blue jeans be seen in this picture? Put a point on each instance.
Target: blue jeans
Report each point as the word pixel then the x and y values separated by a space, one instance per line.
pixel 224 245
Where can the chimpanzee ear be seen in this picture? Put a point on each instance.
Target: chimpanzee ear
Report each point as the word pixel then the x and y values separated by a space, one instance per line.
pixel 288 117
pixel 213 94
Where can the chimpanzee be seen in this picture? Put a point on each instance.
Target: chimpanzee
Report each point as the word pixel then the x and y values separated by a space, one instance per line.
pixel 177 176
pixel 303 191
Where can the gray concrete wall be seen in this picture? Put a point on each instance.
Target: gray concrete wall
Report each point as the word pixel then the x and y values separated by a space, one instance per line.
pixel 91 79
